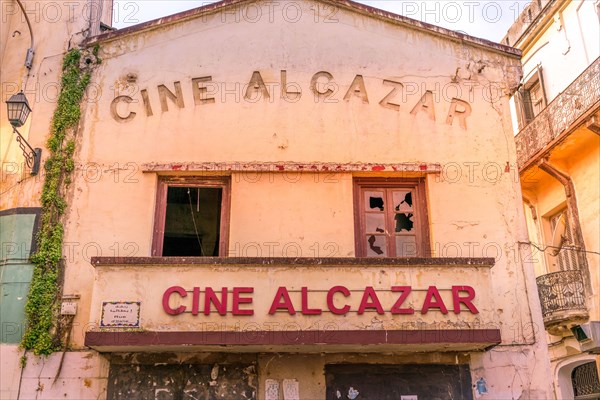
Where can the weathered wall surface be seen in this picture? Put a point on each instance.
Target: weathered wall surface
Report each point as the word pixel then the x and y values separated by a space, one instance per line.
pixel 148 284
pixel 286 207
pixel 56 26
pixel 312 379
pixel 198 381
pixel 298 129
pixel 389 94
pixel 83 375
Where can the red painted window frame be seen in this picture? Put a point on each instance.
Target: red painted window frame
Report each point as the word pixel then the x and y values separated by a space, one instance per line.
pixel 419 206
pixel 164 182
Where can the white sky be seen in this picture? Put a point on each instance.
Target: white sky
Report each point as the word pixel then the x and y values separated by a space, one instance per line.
pixel 485 19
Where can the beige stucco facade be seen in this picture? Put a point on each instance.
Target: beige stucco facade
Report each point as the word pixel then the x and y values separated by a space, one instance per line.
pixel 294 107
pixel 562 43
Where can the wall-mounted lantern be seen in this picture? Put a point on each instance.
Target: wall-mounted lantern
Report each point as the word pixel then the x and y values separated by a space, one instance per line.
pixel 18 111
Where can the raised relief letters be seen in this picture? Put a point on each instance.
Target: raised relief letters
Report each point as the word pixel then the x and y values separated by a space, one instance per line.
pixel 238 301
pixel 322 88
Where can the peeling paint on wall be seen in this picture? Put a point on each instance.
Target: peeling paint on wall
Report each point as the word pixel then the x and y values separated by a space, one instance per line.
pixel 179 381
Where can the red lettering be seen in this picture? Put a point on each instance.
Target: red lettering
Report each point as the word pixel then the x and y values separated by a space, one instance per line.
pixel 173 289
pixel 210 297
pixel 464 300
pixel 433 300
pixel 337 289
pixel 237 300
pixel 196 301
pixel 404 292
pixel 282 301
pixel 305 309
pixel 370 293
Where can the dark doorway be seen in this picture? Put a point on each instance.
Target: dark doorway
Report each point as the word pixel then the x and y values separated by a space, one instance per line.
pixel 391 382
pixel 181 382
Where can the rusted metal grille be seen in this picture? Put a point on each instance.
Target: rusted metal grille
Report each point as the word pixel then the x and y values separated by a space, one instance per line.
pixel 567 259
pixel 586 384
pixel 561 291
pixel 560 114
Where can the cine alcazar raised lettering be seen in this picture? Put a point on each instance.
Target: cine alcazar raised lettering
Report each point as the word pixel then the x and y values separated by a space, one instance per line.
pixel 323 88
pixel 238 301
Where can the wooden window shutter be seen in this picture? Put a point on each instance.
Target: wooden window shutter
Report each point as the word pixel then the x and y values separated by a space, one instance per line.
pixel 522 107
pixel 540 79
pixel 527 107
pixel 519 108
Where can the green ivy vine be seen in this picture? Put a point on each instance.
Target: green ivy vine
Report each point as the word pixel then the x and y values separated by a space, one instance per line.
pixel 43 333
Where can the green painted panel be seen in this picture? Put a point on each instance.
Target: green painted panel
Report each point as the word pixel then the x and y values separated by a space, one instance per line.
pixel 15 235
pixel 13 296
pixel 15 273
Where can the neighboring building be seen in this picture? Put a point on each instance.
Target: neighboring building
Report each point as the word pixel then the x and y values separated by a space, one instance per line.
pixel 303 200
pixel 557 117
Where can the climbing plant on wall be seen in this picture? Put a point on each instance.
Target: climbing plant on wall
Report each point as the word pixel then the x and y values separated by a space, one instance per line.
pixel 43 333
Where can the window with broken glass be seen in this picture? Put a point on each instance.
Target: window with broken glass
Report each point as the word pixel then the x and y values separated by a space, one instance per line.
pixel 191 218
pixel 391 218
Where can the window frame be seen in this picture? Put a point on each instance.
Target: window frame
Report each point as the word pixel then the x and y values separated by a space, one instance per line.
pixel 419 206
pixel 563 259
pixel 160 212
pixel 524 104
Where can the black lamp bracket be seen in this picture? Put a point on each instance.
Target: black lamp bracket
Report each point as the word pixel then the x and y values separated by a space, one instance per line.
pixel 32 156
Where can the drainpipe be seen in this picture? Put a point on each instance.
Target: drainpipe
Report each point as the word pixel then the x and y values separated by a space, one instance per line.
pixel 573 216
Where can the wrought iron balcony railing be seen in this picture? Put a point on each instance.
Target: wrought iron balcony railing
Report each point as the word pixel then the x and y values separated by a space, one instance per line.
pixel 560 114
pixel 562 296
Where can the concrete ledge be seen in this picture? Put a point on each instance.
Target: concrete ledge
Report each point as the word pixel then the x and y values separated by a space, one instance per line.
pixel 304 261
pixel 417 168
pixel 291 341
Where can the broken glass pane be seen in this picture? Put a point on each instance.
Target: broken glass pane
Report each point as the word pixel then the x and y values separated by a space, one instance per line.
pixel 376 246
pixel 374 201
pixel 406 246
pixel 375 222
pixel 403 200
pixel 404 222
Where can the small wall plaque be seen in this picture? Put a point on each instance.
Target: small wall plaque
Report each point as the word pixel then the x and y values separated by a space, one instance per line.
pixel 271 389
pixel 291 389
pixel 120 314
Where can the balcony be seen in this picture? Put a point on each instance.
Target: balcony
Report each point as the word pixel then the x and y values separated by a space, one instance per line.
pixel 562 297
pixel 556 120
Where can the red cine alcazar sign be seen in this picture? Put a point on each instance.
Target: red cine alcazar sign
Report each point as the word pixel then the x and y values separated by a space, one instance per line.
pixel 203 301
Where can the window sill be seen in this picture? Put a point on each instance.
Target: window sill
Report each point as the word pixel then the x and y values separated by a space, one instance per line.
pixel 303 261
